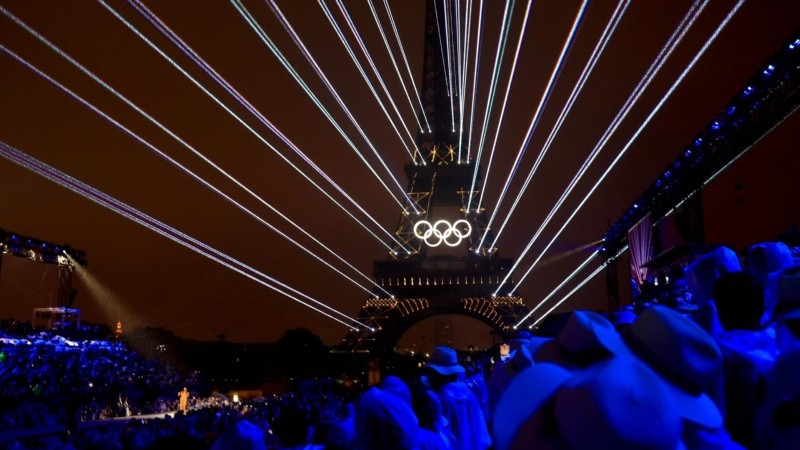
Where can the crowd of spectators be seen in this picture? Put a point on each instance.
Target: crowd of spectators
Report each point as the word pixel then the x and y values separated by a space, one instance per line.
pixel 77 393
pixel 48 379
pixel 713 364
pixel 708 360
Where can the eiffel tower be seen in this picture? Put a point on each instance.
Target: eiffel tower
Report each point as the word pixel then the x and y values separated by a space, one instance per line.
pixel 440 262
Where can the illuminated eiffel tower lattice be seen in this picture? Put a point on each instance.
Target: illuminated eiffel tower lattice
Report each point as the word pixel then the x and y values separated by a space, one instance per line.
pixel 443 259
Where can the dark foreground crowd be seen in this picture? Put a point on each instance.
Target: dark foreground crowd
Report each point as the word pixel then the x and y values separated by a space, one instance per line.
pixel 717 368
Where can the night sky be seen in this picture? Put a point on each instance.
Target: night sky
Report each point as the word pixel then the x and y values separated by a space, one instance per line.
pixel 141 278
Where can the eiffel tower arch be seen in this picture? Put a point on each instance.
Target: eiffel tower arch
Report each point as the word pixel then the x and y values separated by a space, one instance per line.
pixel 443 259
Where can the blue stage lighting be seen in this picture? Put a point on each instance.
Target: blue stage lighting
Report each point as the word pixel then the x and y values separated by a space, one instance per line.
pixel 794 44
pixel 748 90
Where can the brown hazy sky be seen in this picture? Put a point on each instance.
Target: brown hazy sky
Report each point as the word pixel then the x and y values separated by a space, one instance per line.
pixel 137 276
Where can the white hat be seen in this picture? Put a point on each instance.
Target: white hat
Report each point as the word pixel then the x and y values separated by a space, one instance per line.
pixel 444 360
pixel 524 396
pixel 766 258
pixel 618 404
pixel 684 355
pixel 587 337
pixel 587 331
pixel 703 272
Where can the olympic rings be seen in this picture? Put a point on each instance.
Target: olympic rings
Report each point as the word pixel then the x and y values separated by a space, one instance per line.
pixel 442 231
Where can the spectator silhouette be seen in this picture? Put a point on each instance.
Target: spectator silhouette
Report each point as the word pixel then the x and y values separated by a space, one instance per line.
pixel 459 405
pixel 384 421
pixel 747 351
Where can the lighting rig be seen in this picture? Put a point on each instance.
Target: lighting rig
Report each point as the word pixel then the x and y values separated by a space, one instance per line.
pixel 39 250
pixel 766 100
pixel 34 249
